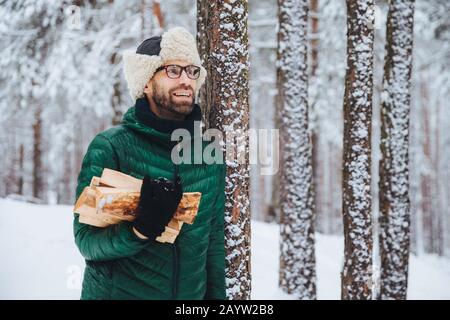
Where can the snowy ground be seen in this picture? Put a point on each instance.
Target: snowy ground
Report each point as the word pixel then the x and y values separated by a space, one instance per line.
pixel 429 276
pixel 40 260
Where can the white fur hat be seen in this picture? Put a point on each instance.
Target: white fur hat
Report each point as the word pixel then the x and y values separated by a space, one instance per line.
pixel 175 44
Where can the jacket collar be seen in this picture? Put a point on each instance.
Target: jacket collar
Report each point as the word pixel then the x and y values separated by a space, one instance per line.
pixel 142 120
pixel 146 116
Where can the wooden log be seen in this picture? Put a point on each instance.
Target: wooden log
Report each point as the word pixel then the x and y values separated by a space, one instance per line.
pixel 169 235
pixel 161 239
pixel 87 198
pixel 116 179
pixel 175 224
pixel 188 207
pixel 114 197
pixel 95 182
pixel 171 231
pixel 121 203
pixel 167 239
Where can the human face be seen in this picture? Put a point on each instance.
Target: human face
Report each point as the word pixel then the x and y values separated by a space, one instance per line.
pixel 171 98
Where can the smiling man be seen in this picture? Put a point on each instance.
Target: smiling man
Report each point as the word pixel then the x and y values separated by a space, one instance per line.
pixel 167 101
pixel 124 261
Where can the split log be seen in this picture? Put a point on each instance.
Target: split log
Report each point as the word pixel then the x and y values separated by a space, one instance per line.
pixel 188 207
pixel 116 179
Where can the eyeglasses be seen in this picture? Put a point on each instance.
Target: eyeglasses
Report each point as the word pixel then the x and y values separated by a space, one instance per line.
pixel 174 71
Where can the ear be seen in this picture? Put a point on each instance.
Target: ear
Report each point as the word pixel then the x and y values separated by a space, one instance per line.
pixel 148 88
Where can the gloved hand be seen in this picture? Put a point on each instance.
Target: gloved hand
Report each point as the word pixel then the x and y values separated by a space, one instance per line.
pixel 158 202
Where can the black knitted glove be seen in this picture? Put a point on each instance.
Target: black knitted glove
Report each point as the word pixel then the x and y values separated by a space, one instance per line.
pixel 158 202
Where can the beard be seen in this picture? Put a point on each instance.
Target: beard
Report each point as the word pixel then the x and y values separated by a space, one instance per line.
pixel 168 103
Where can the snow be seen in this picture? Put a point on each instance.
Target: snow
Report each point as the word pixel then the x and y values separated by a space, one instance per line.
pixel 39 256
pixel 41 261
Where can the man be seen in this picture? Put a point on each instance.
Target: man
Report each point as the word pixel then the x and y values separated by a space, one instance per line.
pixel 124 261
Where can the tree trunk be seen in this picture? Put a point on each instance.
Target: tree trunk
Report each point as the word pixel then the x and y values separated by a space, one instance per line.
pixel 314 42
pixel 11 180
pixel 157 12
pixel 439 219
pixel 21 169
pixel 394 145
pixel 38 182
pixel 297 256
pixel 116 98
pixel 205 94
pixel 425 173
pixel 322 210
pixel 223 43
pixel 143 12
pixel 356 197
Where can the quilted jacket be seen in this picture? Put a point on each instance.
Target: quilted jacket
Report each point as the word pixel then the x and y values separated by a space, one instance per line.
pixel 119 265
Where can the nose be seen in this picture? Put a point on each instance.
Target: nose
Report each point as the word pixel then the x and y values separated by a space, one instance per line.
pixel 184 77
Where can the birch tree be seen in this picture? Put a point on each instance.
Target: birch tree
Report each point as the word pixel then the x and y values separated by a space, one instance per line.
pixel 356 198
pixel 297 256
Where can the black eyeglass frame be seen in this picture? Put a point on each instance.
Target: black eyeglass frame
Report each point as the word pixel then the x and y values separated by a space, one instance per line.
pixel 185 69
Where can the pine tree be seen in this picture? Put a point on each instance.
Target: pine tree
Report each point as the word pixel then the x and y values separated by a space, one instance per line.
pixel 223 44
pixel 356 198
pixel 297 257
pixel 394 164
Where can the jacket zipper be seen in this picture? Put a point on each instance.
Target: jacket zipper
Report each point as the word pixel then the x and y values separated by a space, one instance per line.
pixel 175 252
pixel 175 272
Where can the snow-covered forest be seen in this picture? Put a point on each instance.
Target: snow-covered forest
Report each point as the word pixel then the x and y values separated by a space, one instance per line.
pixel 313 71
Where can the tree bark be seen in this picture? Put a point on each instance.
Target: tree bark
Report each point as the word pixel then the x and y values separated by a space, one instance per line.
pixel 356 197
pixel 394 145
pixel 223 44
pixel 297 255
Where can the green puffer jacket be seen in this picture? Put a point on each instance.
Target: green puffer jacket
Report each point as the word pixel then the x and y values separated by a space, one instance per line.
pixel 119 265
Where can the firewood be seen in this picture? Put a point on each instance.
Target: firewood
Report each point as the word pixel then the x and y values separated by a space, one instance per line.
pixel 175 224
pixel 86 199
pixel 114 197
pixel 95 182
pixel 169 235
pixel 188 207
pixel 118 202
pixel 122 203
pixel 171 231
pixel 116 179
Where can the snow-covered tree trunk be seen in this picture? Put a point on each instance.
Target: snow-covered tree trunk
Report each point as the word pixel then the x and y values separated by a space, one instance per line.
pixel 356 197
pixel 394 145
pixel 227 63
pixel 297 255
